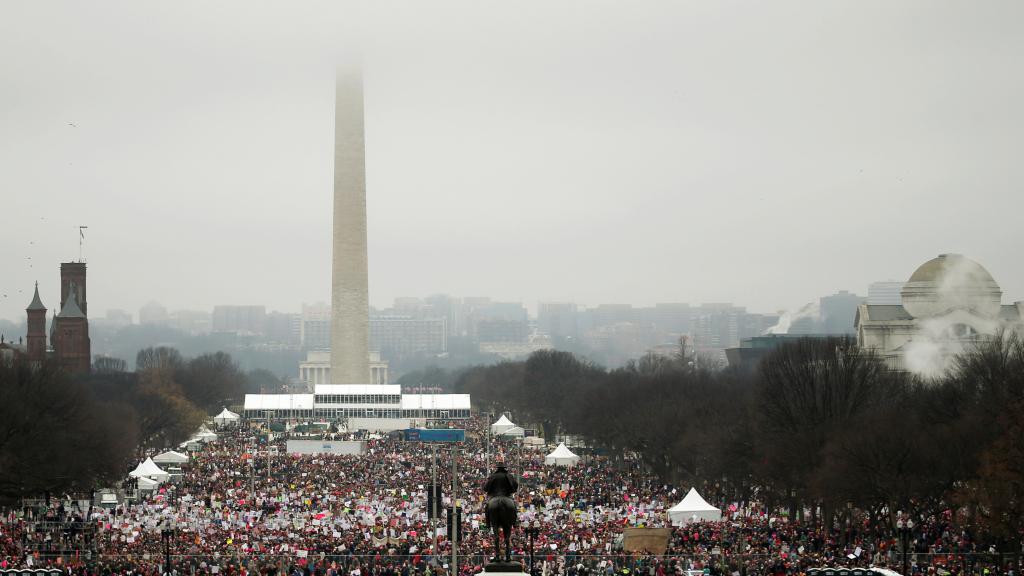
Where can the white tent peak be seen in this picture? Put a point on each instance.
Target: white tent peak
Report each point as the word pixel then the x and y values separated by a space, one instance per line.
pixel 503 424
pixel 563 451
pixel 561 456
pixel 170 457
pixel 694 501
pixel 225 413
pixel 149 469
pixel 226 417
pixel 503 421
pixel 693 507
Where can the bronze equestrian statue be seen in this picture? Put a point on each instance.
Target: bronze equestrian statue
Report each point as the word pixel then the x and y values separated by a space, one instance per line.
pixel 501 511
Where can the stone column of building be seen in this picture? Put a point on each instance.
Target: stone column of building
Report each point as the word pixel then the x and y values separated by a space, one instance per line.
pixel 35 340
pixel 350 304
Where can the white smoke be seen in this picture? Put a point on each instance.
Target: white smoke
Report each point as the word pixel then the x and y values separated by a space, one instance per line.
pixel 963 315
pixel 786 320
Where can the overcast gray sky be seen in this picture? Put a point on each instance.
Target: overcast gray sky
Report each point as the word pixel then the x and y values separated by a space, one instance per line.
pixel 764 153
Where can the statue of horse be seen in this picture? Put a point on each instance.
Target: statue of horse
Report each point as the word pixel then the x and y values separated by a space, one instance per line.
pixel 501 511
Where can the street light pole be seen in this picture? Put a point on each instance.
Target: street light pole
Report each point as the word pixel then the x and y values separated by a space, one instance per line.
pixel 455 514
pixel 269 433
pixel 167 535
pixel 532 530
pixel 905 528
pixel 435 506
pixel 487 468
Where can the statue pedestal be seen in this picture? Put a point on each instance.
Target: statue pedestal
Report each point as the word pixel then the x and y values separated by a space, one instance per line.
pixel 504 569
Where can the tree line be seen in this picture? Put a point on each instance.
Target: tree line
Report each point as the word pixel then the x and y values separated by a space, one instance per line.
pixel 72 433
pixel 820 425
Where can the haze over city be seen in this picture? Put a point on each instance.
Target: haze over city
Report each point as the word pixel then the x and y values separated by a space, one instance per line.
pixel 517 288
pixel 762 154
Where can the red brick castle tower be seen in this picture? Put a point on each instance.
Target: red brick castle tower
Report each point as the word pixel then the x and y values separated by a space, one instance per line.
pixel 35 341
pixel 69 334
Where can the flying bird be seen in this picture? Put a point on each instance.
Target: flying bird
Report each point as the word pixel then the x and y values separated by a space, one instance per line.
pixel 72 124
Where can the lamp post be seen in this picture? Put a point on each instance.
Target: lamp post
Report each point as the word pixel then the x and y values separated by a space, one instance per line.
pixel 167 535
pixel 849 521
pixel 905 528
pixel 455 513
pixel 435 502
pixel 270 434
pixel 532 530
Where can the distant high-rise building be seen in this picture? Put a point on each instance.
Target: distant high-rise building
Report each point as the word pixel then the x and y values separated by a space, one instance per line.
pixel 671 318
pixel 885 293
pixel 480 310
pixel 444 306
pixel 315 327
pixel 501 330
pixel 397 337
pixel 611 314
pixel 283 327
pixel 838 312
pixel 558 319
pixel 191 321
pixel 716 326
pixel 235 319
pixel 153 314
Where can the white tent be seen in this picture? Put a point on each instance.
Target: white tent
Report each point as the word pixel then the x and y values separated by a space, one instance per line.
pixel 502 425
pixel 513 432
pixel 561 456
pixel 226 417
pixel 149 469
pixel 203 435
pixel 693 508
pixel 170 457
pixel 147 484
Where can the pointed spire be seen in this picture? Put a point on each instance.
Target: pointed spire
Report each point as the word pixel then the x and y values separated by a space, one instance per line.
pixel 36 304
pixel 71 309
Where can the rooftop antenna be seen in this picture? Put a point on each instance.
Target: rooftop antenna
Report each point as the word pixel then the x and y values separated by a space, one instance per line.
pixel 81 238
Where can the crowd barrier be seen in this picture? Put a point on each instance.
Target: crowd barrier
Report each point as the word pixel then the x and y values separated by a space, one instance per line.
pixel 957 564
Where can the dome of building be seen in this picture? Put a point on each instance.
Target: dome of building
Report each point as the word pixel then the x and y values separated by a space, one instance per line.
pixel 948 283
pixel 936 268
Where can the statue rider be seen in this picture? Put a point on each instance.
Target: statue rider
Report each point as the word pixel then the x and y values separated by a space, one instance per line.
pixel 501 510
pixel 501 482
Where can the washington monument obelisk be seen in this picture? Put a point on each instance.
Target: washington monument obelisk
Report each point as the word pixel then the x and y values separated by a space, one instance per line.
pixel 350 302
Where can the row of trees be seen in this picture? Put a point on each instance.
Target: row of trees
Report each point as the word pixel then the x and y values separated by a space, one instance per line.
pixel 71 433
pixel 820 425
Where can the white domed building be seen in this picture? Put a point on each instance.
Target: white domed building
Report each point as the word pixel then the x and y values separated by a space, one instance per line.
pixel 949 303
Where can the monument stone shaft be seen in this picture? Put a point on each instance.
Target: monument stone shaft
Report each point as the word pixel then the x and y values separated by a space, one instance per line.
pixel 350 304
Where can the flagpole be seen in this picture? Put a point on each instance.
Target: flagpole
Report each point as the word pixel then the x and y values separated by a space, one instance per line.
pixel 81 237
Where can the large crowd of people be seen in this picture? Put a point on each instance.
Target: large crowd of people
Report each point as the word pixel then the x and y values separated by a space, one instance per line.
pixel 243 506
